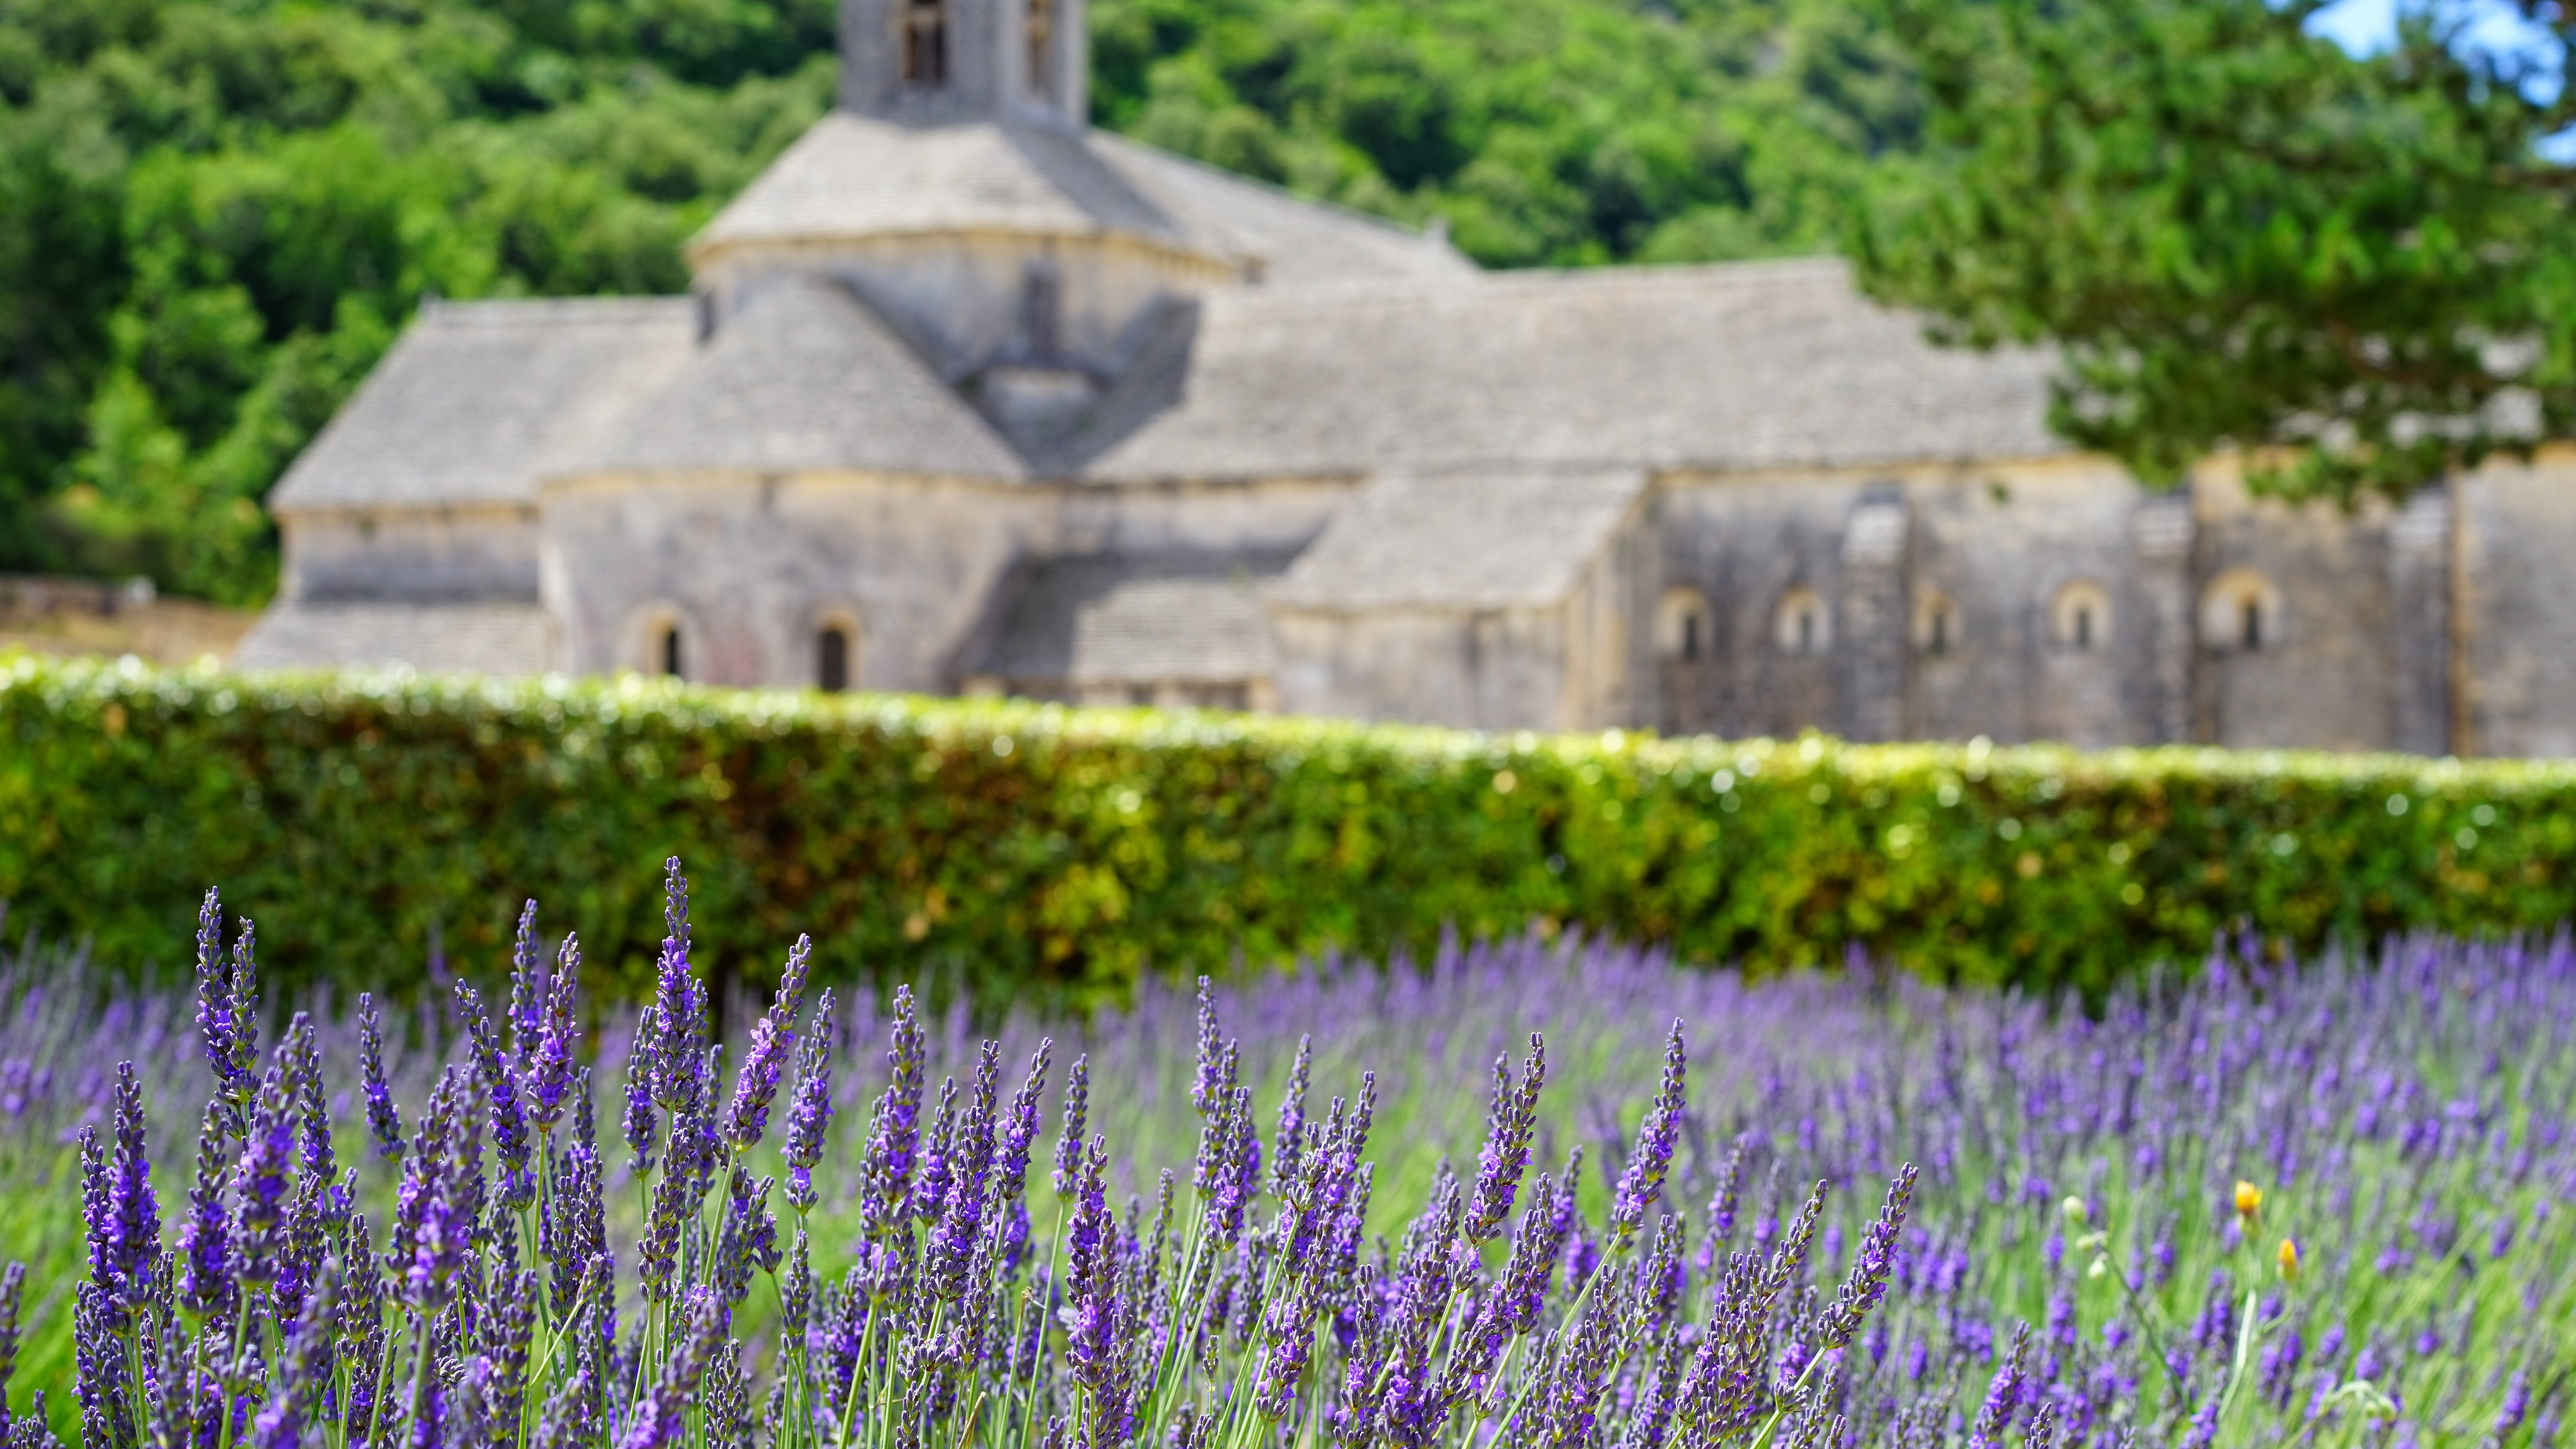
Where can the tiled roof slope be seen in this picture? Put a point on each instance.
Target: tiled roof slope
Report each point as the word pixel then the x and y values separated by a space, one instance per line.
pixel 804 377
pixel 479 400
pixel 854 176
pixel 1752 365
pixel 1474 540
pixel 1296 240
pixel 1110 618
pixel 432 638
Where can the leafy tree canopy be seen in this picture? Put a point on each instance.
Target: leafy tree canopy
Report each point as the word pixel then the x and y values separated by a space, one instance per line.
pixel 2355 272
pixel 215 214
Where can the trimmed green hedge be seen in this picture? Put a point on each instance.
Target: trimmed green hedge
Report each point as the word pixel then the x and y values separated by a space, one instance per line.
pixel 1064 850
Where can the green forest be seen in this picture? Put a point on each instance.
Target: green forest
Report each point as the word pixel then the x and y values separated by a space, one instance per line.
pixel 216 214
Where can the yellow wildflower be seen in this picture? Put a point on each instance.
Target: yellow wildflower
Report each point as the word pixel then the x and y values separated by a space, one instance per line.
pixel 2249 1200
pixel 2289 1260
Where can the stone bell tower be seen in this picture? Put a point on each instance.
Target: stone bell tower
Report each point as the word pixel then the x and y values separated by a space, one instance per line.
pixel 935 62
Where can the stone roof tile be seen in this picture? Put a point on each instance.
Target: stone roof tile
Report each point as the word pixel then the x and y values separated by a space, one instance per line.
pixel 432 638
pixel 478 400
pixel 1750 365
pixel 803 377
pixel 1486 539
pixel 854 176
pixel 1113 618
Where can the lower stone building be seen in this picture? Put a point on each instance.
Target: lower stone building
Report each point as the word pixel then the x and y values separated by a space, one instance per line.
pixel 969 398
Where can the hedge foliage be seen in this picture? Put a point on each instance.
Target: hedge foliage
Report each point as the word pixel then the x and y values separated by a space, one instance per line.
pixel 1062 851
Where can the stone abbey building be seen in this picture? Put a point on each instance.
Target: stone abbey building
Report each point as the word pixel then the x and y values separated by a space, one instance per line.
pixel 969 398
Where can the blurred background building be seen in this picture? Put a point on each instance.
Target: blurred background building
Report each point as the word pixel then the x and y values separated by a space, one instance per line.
pixel 972 398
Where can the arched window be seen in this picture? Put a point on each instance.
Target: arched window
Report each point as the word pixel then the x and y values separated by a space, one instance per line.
pixel 660 642
pixel 1682 626
pixel 1936 622
pixel 2241 611
pixel 832 659
pixel 1804 627
pixel 1042 49
pixel 2080 619
pixel 925 42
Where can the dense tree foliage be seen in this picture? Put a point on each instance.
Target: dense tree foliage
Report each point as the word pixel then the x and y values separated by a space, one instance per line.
pixel 1546 132
pixel 215 214
pixel 2360 271
pixel 213 217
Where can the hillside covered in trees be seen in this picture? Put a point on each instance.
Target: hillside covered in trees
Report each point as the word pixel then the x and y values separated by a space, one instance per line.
pixel 215 214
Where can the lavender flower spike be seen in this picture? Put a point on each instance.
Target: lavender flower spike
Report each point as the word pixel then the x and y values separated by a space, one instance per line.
pixel 205 1234
pixel 260 1182
pixel 13 1280
pixel 1871 1269
pixel 509 1123
pixel 809 1111
pixel 773 1040
pixel 215 1011
pixel 527 997
pixel 1656 1136
pixel 661 1419
pixel 383 1117
pixel 1510 1124
pixel 1068 1146
pixel 126 1237
pixel 303 1381
pixel 549 1065
pixel 1206 1092
pixel 2002 1396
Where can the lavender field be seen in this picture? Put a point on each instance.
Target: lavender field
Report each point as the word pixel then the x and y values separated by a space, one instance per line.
pixel 2282 1203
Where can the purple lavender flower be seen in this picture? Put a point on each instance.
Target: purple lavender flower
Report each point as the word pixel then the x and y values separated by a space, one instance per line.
pixel 1290 1142
pixel 527 993
pixel 894 1135
pixel 501 1092
pixel 1217 1151
pixel 1019 1127
pixel 383 1117
pixel 205 1234
pixel 1207 1094
pixel 2509 1414
pixel 1643 1178
pixel 660 1421
pixel 773 1041
pixel 313 1155
pixel 809 1110
pixel 1510 1122
pixel 13 1281
pixel 966 1165
pixel 1721 1208
pixel 749 1240
pixel 1091 1334
pixel 642 1126
pixel 2003 1396
pixel 1537 1245
pixel 679 1009
pixel 1068 1145
pixel 124 1217
pixel 222 1007
pixel 1867 1282
pixel 261 1182
pixel 300 1395
pixel 434 1214
pixel 549 1064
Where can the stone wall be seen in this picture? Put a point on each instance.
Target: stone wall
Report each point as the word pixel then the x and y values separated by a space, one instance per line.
pixel 2516 537
pixel 2074 605
pixel 749 568
pixel 426 555
pixel 1495 669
